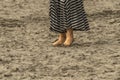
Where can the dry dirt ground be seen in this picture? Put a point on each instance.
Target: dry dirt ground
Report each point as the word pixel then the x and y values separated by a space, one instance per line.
pixel 25 43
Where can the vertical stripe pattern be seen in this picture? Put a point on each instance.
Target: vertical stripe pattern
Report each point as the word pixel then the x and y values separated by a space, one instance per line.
pixel 66 14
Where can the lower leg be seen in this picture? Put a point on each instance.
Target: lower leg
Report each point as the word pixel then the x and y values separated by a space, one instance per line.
pixel 69 37
pixel 60 40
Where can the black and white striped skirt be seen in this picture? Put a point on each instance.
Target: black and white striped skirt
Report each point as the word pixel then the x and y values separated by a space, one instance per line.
pixel 66 14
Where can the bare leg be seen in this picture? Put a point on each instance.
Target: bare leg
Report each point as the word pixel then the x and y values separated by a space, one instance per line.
pixel 69 37
pixel 60 40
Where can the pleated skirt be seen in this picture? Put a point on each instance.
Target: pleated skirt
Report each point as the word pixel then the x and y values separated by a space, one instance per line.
pixel 66 14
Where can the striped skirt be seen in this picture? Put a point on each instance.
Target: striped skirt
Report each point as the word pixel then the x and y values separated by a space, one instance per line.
pixel 66 14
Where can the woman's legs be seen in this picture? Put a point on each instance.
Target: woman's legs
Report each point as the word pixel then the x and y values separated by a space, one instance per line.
pixel 65 38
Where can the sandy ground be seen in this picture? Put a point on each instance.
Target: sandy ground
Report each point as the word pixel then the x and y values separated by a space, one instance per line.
pixel 26 52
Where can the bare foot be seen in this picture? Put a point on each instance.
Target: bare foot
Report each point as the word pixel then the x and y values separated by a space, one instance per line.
pixel 69 37
pixel 60 40
pixel 68 42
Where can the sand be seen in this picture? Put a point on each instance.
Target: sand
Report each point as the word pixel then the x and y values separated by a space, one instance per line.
pixel 26 51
